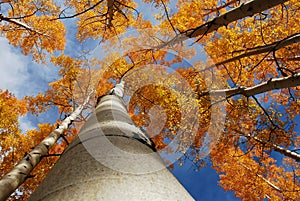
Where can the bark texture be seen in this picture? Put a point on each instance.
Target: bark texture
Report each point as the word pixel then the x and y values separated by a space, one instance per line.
pixel 263 49
pixel 244 10
pixel 286 152
pixel 111 159
pixel 272 84
pixel 17 176
pixel 19 23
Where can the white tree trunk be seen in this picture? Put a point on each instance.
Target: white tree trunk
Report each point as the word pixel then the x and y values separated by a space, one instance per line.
pixel 17 176
pixel 125 168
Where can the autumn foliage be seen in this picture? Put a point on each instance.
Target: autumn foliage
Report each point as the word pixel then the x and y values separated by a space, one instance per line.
pixel 256 152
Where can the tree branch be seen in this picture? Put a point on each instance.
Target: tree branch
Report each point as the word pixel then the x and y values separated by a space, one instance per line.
pixel 263 178
pixel 19 23
pixel 277 148
pixel 167 14
pixel 296 58
pixel 245 10
pixel 110 11
pixel 295 38
pixel 274 83
pixel 80 13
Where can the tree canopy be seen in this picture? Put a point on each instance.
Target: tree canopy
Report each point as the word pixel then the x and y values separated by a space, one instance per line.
pixel 214 82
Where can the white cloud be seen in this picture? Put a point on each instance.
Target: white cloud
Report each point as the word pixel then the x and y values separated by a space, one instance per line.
pixel 12 68
pixel 20 75
pixel 25 124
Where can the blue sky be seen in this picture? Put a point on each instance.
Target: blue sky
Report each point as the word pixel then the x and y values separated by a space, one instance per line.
pixel 203 183
pixel 23 77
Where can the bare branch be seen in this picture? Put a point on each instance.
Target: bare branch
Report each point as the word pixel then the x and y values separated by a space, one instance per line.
pixel 167 14
pixel 217 9
pixel 277 148
pixel 110 11
pixel 248 9
pixel 295 38
pixel 245 10
pixel 263 178
pixel 80 13
pixel 296 58
pixel 19 23
pixel 272 84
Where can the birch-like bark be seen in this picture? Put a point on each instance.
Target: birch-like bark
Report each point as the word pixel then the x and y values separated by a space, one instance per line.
pixel 263 178
pixel 272 84
pixel 19 23
pixel 296 58
pixel 263 49
pixel 245 10
pixel 92 168
pixel 12 180
pixel 277 148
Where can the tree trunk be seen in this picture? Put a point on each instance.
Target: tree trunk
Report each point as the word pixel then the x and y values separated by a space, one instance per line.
pixel 17 176
pixel 111 159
